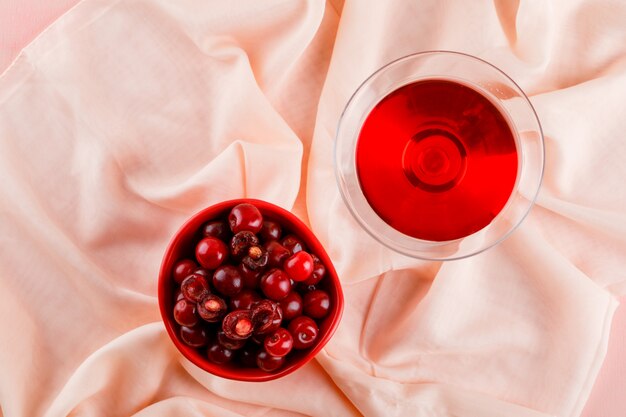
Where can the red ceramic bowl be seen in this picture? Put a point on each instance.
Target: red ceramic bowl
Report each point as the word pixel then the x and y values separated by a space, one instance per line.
pixel 182 246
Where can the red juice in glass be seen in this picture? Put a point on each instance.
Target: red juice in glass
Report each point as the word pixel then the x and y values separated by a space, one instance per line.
pixel 436 160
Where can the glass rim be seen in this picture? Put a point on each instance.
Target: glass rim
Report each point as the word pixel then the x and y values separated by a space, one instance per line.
pixel 421 249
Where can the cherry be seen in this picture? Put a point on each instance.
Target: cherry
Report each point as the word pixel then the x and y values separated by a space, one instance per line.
pixel 269 363
pixel 291 305
pixel 248 354
pixel 279 342
pixel 212 308
pixel 185 313
pixel 270 231
pixel 178 296
pixel 182 269
pixel 218 229
pixel 316 304
pixel 245 217
pixel 256 259
pixel 241 242
pixel 304 332
pixel 211 252
pixel 244 300
pixel 319 270
pixel 227 280
pixel 194 287
pixel 219 354
pixel 293 243
pixel 277 254
pixel 229 343
pixel 249 277
pixel 275 284
pixel 238 324
pixel 195 336
pixel 299 266
pixel 266 316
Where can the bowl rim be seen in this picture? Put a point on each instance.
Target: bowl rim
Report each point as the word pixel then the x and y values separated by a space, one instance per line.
pixel 309 237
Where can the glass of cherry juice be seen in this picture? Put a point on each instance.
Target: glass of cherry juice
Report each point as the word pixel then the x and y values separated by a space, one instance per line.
pixel 439 155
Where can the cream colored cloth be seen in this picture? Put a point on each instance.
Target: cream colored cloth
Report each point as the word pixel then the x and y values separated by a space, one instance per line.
pixel 125 117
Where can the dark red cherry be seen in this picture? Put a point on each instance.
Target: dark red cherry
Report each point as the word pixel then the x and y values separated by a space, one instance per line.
pixel 185 313
pixel 219 354
pixel 178 295
pixel 241 242
pixel 291 305
pixel 218 229
pixel 276 254
pixel 299 266
pixel 279 342
pixel 319 271
pixel 238 324
pixel 304 332
pixel 227 280
pixel 269 363
pixel 229 343
pixel 256 259
pixel 316 304
pixel 212 308
pixel 266 316
pixel 195 336
pixel 194 287
pixel 182 269
pixel 275 284
pixel 248 354
pixel 270 230
pixel 245 217
pixel 249 277
pixel 211 252
pixel 293 243
pixel 244 300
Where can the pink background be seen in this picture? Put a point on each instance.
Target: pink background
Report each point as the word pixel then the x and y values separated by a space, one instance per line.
pixel 22 20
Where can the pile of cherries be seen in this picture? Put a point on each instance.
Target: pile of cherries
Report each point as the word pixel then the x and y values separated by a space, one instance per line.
pixel 251 294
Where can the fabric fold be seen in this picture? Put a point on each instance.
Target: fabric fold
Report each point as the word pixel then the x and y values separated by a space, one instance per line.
pixel 124 118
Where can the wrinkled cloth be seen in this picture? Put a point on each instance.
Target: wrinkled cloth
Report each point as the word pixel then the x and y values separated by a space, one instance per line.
pixel 124 118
